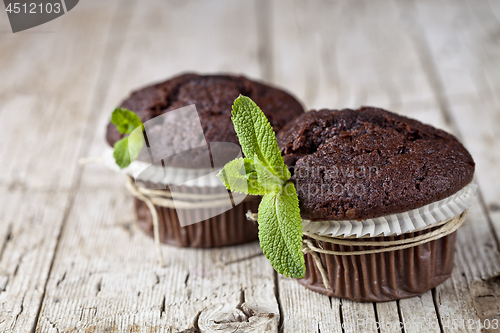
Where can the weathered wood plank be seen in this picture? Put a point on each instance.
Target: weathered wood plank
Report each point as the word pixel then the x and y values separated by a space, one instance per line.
pixel 461 36
pixel 105 276
pixel 419 314
pixel 43 123
pixel 324 314
pixel 479 124
pixel 454 301
pixel 465 59
pixel 479 255
pixel 26 256
pixel 339 62
pixel 358 317
pixel 172 37
pixel 388 317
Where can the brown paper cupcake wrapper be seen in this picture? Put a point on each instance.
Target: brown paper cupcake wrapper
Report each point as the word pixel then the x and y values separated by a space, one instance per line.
pixel 207 227
pixel 228 228
pixel 384 276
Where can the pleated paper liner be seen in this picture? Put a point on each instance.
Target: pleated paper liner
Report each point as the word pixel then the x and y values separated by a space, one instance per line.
pixel 383 276
pixel 203 215
pixel 226 229
pixel 387 258
pixel 397 224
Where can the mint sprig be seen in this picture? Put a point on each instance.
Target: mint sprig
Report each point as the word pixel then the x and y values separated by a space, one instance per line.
pixel 127 149
pixel 263 172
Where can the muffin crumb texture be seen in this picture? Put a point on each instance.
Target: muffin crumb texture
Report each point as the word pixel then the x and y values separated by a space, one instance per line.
pixel 213 96
pixel 367 163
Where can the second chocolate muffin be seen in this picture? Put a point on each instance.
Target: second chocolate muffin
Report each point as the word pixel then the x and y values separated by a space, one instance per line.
pixel 213 96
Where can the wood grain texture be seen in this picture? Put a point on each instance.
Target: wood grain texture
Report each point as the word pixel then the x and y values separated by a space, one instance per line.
pixel 42 144
pixel 105 277
pixel 464 50
pixel 71 258
pixel 324 314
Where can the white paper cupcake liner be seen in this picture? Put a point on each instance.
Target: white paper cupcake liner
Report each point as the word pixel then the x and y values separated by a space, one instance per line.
pixel 166 176
pixel 397 224
pixel 394 224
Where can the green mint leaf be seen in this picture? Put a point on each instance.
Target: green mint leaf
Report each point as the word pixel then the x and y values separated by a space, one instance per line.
pixel 263 172
pixel 256 136
pixel 239 175
pixel 268 180
pixel 127 149
pixel 125 120
pixel 121 153
pixel 280 231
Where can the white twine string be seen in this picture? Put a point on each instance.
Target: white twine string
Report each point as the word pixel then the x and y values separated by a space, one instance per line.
pixel 164 198
pixel 130 184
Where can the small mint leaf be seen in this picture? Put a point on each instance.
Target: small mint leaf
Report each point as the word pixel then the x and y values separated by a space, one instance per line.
pixel 125 120
pixel 127 149
pixel 280 231
pixel 267 179
pixel 121 153
pixel 239 175
pixel 256 134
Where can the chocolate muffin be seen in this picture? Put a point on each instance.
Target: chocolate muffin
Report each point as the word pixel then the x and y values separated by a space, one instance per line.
pixel 356 168
pixel 359 164
pixel 213 96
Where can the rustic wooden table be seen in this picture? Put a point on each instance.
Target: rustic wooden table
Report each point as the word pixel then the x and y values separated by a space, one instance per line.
pixel 71 257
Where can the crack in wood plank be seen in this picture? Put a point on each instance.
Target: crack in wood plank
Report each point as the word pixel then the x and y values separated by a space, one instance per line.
pixel 436 306
pixel 8 238
pixel 235 261
pixel 486 299
pixel 61 279
pixel 265 49
pixel 281 323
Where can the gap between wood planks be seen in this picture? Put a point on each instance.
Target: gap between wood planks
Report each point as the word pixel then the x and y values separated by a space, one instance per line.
pixel 431 72
pixel 438 87
pixel 477 289
pixel 108 65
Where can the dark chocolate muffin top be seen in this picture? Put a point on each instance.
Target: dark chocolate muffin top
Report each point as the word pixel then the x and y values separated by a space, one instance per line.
pixel 367 163
pixel 213 96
